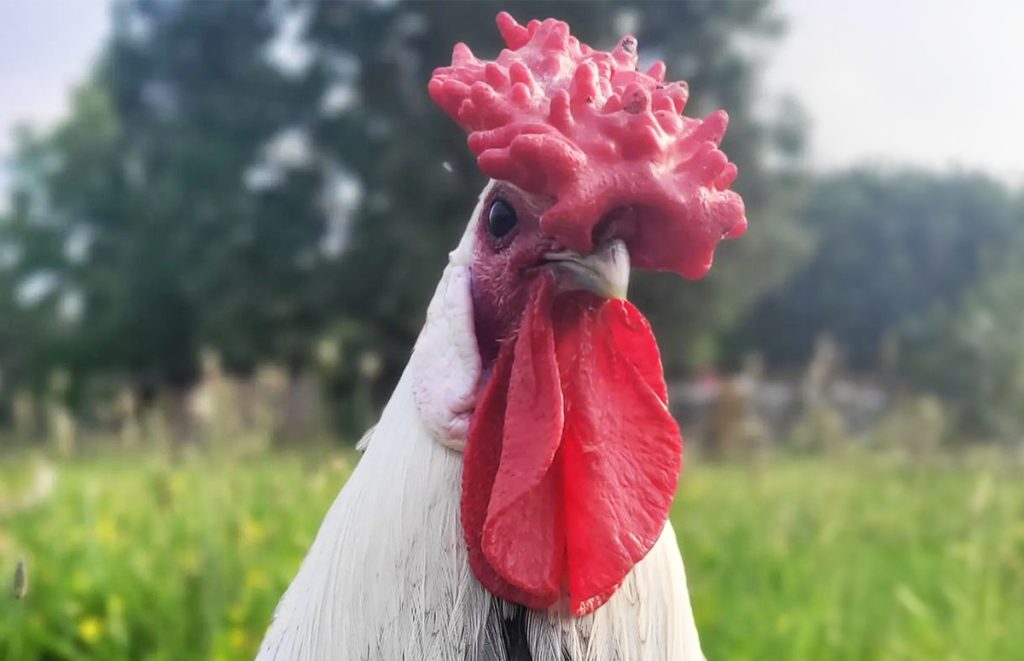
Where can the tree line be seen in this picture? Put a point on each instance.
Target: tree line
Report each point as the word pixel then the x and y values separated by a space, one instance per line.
pixel 269 181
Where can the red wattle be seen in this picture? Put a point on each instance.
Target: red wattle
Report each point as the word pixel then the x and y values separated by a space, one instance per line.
pixel 621 448
pixel 572 458
pixel 527 486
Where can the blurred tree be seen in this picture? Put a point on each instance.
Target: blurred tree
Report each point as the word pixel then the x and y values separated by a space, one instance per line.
pixel 228 213
pixel 36 302
pixel 160 212
pixel 890 247
pixel 972 351
pixel 19 346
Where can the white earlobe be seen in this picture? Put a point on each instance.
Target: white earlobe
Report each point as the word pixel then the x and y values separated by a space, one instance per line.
pixel 446 362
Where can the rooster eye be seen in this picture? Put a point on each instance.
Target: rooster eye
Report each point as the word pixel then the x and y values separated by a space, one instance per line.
pixel 501 218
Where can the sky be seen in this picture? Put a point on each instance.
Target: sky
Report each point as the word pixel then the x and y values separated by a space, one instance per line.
pixel 46 49
pixel 935 84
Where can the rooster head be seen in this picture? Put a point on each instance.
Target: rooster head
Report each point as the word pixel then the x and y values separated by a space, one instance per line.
pixel 572 458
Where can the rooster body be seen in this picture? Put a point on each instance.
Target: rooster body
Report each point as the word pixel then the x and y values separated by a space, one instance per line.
pixel 388 576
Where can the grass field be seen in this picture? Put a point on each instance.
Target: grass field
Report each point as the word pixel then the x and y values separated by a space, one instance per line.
pixel 823 559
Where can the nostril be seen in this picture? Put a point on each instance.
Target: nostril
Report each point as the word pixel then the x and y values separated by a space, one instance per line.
pixel 619 223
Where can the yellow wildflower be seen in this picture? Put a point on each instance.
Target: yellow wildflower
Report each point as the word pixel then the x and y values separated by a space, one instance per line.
pixel 256 579
pixel 90 629
pixel 176 484
pixel 238 638
pixel 252 532
pixel 106 531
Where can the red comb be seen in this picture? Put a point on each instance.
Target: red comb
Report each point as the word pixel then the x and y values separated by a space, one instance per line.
pixel 555 117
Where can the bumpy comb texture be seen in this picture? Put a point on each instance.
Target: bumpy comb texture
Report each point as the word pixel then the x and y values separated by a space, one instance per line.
pixel 556 117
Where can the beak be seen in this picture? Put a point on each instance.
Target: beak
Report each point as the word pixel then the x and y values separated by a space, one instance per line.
pixel 604 272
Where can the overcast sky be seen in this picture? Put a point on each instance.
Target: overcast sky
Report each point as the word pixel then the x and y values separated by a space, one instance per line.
pixel 936 84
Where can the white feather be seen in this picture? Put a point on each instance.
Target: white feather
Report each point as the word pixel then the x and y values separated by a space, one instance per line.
pixel 387 575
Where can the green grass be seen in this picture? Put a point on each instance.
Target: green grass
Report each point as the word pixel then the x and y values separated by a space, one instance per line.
pixel 825 559
pixel 855 559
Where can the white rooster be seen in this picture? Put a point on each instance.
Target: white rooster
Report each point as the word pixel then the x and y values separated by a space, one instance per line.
pixel 512 501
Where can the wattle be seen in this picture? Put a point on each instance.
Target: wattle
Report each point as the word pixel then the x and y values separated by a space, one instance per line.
pixel 572 458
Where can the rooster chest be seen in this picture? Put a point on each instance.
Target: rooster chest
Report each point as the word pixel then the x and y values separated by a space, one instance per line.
pixel 388 576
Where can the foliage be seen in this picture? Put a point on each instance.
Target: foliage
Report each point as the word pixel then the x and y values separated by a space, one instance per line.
pixel 854 558
pixel 972 354
pixel 889 246
pixel 139 207
pixel 138 557
pixel 917 426
pixel 143 557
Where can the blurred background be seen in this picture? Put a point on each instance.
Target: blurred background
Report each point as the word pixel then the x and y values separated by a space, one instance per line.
pixel 221 222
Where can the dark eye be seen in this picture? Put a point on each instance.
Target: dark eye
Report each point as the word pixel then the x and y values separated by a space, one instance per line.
pixel 501 218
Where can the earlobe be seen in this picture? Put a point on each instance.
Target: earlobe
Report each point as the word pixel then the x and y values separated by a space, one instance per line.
pixel 446 361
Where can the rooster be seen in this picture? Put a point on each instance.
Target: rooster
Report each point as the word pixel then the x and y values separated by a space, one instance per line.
pixel 512 501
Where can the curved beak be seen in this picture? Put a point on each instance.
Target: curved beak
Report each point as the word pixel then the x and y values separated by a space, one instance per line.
pixel 604 272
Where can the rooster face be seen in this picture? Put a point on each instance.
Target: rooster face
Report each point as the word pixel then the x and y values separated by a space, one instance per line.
pixel 571 457
pixel 511 252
